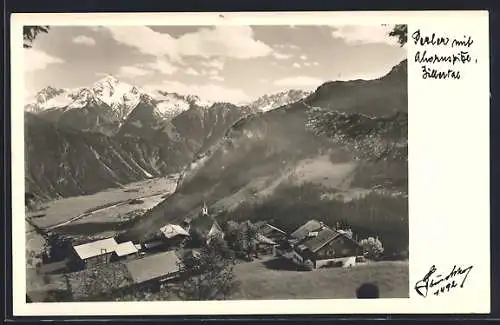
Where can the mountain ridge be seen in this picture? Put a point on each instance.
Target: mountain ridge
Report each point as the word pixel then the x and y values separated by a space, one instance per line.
pixel 278 148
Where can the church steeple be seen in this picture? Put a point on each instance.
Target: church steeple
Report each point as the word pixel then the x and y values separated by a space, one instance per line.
pixel 204 210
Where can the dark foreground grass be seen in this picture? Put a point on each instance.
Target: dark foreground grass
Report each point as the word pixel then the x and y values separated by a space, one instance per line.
pixel 260 281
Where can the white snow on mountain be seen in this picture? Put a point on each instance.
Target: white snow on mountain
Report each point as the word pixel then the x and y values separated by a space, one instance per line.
pixel 275 100
pixel 50 97
pixel 120 96
pixel 168 105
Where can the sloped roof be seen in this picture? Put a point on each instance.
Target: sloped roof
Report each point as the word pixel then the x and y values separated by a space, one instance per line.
pixel 96 248
pixel 323 237
pixel 263 239
pixel 216 230
pixel 305 229
pixel 153 266
pixel 125 248
pixel 266 229
pixel 171 231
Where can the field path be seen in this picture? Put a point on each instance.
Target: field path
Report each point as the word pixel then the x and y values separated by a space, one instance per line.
pixel 89 212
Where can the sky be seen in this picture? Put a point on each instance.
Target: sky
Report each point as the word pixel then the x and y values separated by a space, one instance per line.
pixel 225 63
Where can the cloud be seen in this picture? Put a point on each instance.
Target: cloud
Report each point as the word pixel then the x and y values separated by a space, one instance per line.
pixel 213 72
pixel 217 78
pixel 287 46
pixel 306 64
pixel 192 72
pixel 303 57
pixel 281 56
pixel 315 63
pixel 210 92
pixel 84 40
pixel 38 60
pixel 296 65
pixel 132 71
pixel 223 41
pixel 162 66
pixel 299 82
pixel 365 34
pixel 216 64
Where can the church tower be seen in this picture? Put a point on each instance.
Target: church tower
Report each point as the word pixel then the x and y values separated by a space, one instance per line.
pixel 204 210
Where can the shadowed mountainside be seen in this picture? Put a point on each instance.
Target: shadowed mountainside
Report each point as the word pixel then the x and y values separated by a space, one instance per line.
pixel 295 145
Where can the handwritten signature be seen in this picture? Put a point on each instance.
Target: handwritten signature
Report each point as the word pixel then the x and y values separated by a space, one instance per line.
pixel 438 284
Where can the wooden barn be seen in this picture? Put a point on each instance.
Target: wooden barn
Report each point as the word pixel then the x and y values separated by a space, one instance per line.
pixel 124 251
pixel 93 253
pixel 152 270
pixel 325 247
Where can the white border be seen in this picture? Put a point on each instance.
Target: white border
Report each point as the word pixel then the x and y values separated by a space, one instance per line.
pixel 448 168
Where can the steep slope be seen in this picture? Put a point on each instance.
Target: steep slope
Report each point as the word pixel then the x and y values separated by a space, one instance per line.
pixel 201 127
pixel 65 162
pixel 284 148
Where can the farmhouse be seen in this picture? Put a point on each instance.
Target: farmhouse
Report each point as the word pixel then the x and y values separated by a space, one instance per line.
pixel 273 233
pixel 265 245
pixel 167 236
pixel 124 251
pixel 93 253
pixel 154 269
pixel 325 247
pixel 304 230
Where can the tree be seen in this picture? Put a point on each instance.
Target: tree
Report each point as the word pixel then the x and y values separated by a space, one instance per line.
pixel 31 32
pixel 208 275
pixel 401 32
pixel 242 238
pixel 29 200
pixel 56 247
pixel 373 247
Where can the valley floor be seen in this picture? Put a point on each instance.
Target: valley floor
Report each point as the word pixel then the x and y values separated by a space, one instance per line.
pixel 95 216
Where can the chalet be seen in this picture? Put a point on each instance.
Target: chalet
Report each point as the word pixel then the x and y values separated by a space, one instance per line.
pixel 152 270
pixel 265 245
pixel 304 230
pixel 174 232
pixel 93 253
pixel 325 247
pixel 124 251
pixel 167 236
pixel 273 233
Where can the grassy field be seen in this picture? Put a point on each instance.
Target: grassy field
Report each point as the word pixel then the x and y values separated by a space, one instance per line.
pixel 277 279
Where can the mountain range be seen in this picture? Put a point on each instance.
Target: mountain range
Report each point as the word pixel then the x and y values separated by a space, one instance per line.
pixel 82 140
pixel 344 139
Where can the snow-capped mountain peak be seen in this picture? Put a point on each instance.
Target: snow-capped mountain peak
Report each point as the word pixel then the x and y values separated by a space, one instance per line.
pixel 120 96
pixel 271 101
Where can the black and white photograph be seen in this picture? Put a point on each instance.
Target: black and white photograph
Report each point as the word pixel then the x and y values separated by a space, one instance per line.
pixel 216 162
